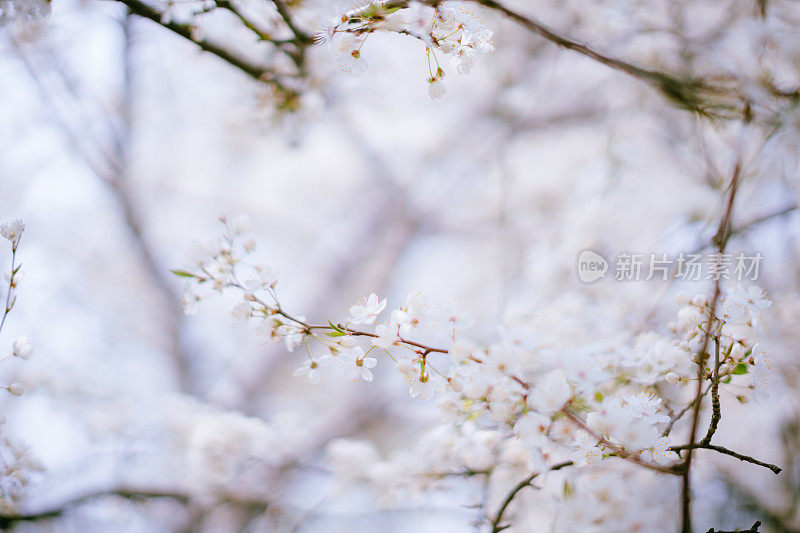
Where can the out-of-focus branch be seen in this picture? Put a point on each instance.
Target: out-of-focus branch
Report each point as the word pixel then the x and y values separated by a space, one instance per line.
pixel 10 299
pixel 497 521
pixel 720 240
pixel 255 70
pixel 110 169
pixel 283 11
pixel 9 519
pixel 753 529
pixel 693 94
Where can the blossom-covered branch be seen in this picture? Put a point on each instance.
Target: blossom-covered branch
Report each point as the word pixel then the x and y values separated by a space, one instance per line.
pixel 575 407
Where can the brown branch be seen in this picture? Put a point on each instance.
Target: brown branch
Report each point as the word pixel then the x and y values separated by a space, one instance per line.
pixel 716 412
pixel 683 411
pixel 498 518
pixel 688 93
pixel 619 451
pixel 249 24
pixel 725 451
pixel 753 529
pixel 283 10
pixel 720 241
pixel 9 519
pixel 254 70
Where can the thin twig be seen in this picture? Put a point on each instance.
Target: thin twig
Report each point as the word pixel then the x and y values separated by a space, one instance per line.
pixel 9 519
pixel 187 31
pixel 725 451
pixel 498 518
pixel 716 412
pixel 753 529
pixel 720 241
pixel 9 302
pixel 691 94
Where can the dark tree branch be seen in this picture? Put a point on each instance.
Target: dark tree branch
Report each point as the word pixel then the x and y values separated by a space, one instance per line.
pixel 753 529
pixel 187 31
pixel 720 240
pixel 688 93
pixel 725 451
pixel 716 412
pixel 9 519
pixel 496 522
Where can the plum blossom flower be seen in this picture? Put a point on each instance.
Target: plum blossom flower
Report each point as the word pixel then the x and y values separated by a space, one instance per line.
pixel 368 310
pixel 386 336
pixel 356 365
pixel 424 386
pixel 348 55
pixel 532 427
pixel 292 340
pixel 316 371
pixel 458 318
pixel 241 313
pixel 588 451
pixel 12 231
pixel 436 89
pixel 659 452
pixel 551 393
pixel 413 316
pixel 267 330
pixel 755 299
pixel 644 406
pixel 265 277
pixel 21 348
pixel 732 307
pixel 471 44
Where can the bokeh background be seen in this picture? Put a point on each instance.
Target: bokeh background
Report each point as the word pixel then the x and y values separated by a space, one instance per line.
pixel 121 144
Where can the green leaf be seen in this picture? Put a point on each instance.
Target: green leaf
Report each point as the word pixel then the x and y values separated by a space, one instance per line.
pixel 338 329
pixel 740 369
pixel 183 273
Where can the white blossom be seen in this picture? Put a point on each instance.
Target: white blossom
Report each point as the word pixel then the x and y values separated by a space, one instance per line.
pixel 551 393
pixel 436 89
pixel 21 348
pixel 316 371
pixel 368 310
pixel 356 365
pixel 12 231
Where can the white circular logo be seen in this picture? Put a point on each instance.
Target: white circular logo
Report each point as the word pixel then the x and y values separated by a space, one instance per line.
pixel 591 266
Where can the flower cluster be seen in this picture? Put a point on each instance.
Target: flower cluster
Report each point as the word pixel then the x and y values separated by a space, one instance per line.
pixel 513 403
pixel 730 329
pixel 17 465
pixel 12 231
pixel 446 29
pixel 218 446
